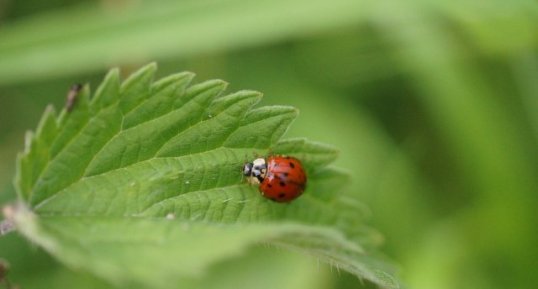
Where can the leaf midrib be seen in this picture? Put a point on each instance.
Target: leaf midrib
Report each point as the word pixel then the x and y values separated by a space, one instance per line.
pixel 134 164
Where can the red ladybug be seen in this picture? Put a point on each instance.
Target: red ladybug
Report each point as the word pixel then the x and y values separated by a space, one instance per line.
pixel 280 178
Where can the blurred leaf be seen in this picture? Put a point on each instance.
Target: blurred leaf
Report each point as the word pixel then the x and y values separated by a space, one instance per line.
pixel 138 183
pixel 50 45
pixel 526 71
pixel 258 268
pixel 88 37
pixel 496 27
pixel 33 268
pixel 493 150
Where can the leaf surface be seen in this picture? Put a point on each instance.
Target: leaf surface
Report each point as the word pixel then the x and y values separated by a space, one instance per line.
pixel 142 184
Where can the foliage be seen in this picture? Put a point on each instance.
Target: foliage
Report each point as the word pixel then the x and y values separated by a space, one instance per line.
pixel 432 105
pixel 151 171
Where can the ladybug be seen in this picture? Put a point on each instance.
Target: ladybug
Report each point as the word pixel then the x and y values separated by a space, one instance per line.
pixel 280 178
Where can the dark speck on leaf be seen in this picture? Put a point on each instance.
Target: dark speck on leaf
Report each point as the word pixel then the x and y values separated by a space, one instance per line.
pixel 72 96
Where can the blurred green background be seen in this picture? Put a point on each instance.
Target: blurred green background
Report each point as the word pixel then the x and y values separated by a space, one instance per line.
pixel 434 105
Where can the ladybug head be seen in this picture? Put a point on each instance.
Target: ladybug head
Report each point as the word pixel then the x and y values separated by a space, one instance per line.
pixel 255 171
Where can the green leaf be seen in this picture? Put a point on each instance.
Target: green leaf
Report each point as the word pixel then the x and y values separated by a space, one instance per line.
pixel 48 45
pixel 142 185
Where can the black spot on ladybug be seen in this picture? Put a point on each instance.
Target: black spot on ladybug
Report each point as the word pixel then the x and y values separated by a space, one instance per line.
pixel 292 165
pixel 281 195
pixel 282 184
pixel 269 185
pixel 286 174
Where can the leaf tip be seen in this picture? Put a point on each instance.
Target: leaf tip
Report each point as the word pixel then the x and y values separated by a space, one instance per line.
pixel 108 90
pixel 142 76
pixel 213 87
pixel 149 68
pixel 249 96
pixel 112 74
pixel 48 115
pixel 221 83
pixel 255 95
pixel 28 138
pixel 178 79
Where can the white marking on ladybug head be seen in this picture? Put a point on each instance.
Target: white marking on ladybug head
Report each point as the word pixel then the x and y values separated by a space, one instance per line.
pixel 255 171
